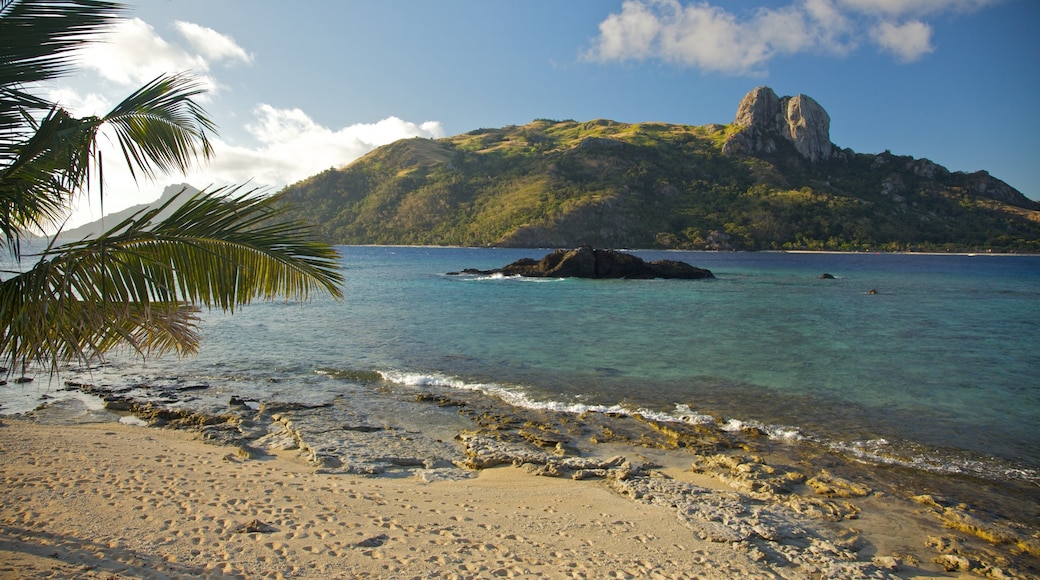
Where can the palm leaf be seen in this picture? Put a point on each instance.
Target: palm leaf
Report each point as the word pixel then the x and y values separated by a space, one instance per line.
pixel 139 283
pixel 136 283
pixel 39 36
pixel 36 186
pixel 160 128
pixel 45 324
pixel 37 42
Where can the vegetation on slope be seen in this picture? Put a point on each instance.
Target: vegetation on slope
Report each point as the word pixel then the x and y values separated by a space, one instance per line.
pixel 654 185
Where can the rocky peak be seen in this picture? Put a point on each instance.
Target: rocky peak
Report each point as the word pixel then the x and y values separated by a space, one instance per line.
pixel 760 108
pixel 767 118
pixel 809 127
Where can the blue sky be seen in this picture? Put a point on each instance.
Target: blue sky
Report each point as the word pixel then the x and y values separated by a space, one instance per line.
pixel 298 88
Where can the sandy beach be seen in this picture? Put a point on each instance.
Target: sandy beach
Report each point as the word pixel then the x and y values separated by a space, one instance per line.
pixel 110 500
pixel 117 501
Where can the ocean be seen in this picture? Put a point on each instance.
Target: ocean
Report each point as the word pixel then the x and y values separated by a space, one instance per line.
pixel 935 371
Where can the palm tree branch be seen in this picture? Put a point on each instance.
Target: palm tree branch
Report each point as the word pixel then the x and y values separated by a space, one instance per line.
pixel 219 249
pixel 44 321
pixel 160 128
pixel 139 283
pixel 37 42
pixel 37 183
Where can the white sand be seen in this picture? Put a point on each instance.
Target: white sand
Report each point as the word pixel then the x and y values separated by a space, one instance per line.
pixel 115 501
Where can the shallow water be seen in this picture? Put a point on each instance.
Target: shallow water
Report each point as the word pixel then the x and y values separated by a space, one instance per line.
pixel 938 368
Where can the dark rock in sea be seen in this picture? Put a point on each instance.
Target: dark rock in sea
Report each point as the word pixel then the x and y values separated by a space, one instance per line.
pixel 364 428
pixel 236 402
pixel 470 271
pixel 439 400
pixel 274 407
pixel 117 403
pixel 826 276
pixel 586 262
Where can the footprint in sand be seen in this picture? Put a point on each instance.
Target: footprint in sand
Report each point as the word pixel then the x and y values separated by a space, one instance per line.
pixel 278 548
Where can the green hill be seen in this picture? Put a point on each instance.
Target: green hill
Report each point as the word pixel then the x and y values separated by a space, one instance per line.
pixel 653 185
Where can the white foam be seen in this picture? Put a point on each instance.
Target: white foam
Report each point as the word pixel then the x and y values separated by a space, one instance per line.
pixel 508 395
pixel 776 432
pixel 732 426
pixel 496 276
pixel 92 402
pixel 500 276
pixel 132 420
pixel 881 451
pixel 682 413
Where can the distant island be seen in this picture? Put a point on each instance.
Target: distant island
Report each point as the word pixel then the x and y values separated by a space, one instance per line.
pixel 769 180
pixel 98 227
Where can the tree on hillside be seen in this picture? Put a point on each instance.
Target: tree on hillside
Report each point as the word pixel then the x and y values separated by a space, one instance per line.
pixel 141 283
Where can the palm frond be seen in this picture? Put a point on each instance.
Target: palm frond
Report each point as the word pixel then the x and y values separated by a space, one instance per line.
pixel 160 128
pixel 134 284
pixel 37 184
pixel 44 152
pixel 45 322
pixel 39 36
pixel 227 248
pixel 139 283
pixel 272 257
pixel 37 42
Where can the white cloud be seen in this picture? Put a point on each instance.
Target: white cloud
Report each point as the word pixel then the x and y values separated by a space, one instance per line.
pixel 133 54
pixel 212 44
pixel 908 42
pixel 711 38
pixel 290 146
pixel 629 35
pixel 79 105
pixel 702 35
pixel 833 28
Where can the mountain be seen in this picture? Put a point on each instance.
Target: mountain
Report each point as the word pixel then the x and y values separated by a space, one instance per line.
pixel 95 228
pixel 771 179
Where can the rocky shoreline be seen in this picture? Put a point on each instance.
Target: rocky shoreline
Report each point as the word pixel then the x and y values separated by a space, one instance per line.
pixel 797 511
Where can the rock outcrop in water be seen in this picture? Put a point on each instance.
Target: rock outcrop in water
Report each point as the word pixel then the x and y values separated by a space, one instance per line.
pixel 586 262
pixel 768 119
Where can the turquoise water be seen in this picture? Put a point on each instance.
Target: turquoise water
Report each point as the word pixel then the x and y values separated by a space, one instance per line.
pixel 942 361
